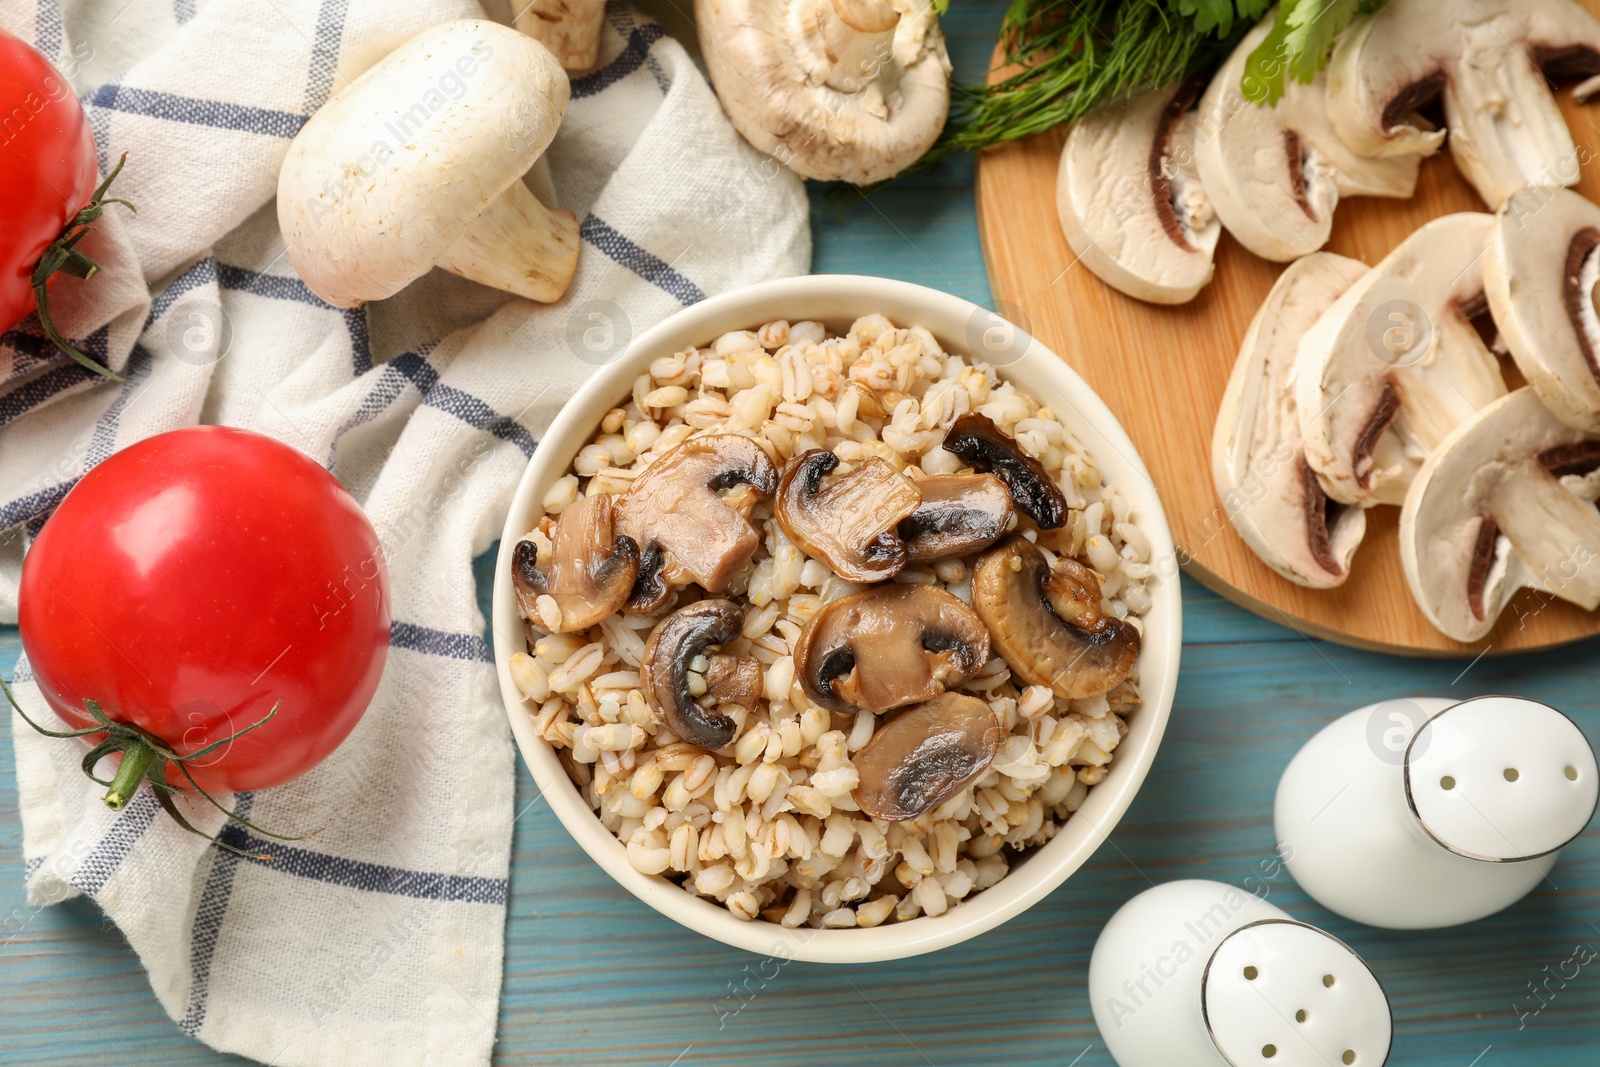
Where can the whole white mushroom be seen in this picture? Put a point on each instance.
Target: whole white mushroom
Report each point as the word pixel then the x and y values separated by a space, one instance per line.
pixel 418 163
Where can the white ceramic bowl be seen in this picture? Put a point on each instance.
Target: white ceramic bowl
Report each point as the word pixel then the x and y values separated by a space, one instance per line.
pixel 837 300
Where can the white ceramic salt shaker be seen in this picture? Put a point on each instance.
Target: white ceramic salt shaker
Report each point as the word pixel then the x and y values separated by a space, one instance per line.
pixel 1206 975
pixel 1422 813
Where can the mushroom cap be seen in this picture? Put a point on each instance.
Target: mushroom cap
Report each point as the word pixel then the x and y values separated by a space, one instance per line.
pixel 675 504
pixel 849 523
pixel 1487 515
pixel 591 569
pixel 665 667
pixel 959 513
pixel 753 53
pixel 1268 490
pixel 888 646
pixel 1539 276
pixel 394 168
pixel 1046 622
pixel 1130 203
pixel 981 444
pixel 925 755
pixel 1484 56
pixel 1274 175
pixel 1396 364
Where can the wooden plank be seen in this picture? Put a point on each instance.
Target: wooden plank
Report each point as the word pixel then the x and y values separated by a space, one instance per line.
pixel 1162 370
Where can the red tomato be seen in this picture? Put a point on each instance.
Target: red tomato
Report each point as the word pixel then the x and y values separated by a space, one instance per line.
pixel 197 578
pixel 47 168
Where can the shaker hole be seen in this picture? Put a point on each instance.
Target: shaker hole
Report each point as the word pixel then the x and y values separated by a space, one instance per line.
pixel 1250 974
pixel 1571 773
pixel 1269 1051
pixel 1349 1055
pixel 1447 782
pixel 1300 1016
pixel 1511 774
pixel 1327 980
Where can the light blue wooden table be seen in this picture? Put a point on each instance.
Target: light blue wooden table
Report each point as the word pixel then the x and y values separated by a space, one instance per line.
pixel 594 977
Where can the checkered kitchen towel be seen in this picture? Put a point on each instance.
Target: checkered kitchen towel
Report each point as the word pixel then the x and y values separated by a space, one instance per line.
pixel 381 940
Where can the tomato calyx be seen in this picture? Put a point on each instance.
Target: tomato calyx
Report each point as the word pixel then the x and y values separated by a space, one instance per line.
pixel 64 257
pixel 145 759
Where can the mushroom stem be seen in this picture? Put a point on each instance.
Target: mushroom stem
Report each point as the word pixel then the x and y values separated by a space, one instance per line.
pixel 856 38
pixel 518 245
pixel 569 28
pixel 1535 510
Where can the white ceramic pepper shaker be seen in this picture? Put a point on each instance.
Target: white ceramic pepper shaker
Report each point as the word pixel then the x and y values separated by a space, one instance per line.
pixel 1422 813
pixel 1207 975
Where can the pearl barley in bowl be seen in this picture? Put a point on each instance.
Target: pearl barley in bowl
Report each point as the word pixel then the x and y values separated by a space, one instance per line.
pixel 837 619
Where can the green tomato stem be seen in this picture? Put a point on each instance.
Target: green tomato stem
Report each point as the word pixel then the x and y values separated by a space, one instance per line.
pixel 136 760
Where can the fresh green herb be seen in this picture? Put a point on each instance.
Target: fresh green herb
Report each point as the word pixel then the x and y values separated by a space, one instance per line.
pixel 1299 45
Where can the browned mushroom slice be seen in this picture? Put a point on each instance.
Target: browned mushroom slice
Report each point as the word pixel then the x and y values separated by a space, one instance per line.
pixel 675 504
pixel 849 523
pixel 591 571
pixel 889 646
pixel 959 513
pixel 980 443
pixel 1046 623
pixel 926 755
pixel 686 682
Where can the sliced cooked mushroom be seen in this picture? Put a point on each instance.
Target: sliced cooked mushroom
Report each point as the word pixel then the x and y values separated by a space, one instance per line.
pixel 888 646
pixel 1269 492
pixel 1490 59
pixel 959 513
pixel 1275 174
pixel 1130 202
pixel 849 523
pixel 1396 363
pixel 926 755
pixel 675 505
pixel 591 568
pixel 977 441
pixel 1504 502
pixel 1539 276
pixel 1046 622
pixel 686 681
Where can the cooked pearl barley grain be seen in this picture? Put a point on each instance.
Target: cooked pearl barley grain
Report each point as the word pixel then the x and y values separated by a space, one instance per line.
pixel 768 826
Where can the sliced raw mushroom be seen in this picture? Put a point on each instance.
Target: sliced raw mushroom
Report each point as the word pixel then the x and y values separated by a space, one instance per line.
pixel 685 678
pixel 1275 174
pixel 1540 277
pixel 926 755
pixel 1046 621
pixel 591 567
pixel 979 443
pixel 1131 205
pixel 1504 502
pixel 378 188
pixel 1491 61
pixel 848 90
pixel 569 28
pixel 959 513
pixel 849 522
pixel 889 646
pixel 1268 490
pixel 1397 363
pixel 676 506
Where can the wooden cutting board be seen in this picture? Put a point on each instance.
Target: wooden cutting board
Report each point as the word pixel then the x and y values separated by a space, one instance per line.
pixel 1162 370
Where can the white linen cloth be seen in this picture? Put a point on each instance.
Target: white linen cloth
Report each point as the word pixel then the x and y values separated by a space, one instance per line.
pixel 380 940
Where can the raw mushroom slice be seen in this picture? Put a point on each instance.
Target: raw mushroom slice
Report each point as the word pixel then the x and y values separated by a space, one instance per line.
pixel 926 755
pixel 1491 60
pixel 1274 175
pixel 1130 203
pixel 569 28
pixel 676 505
pixel 1268 490
pixel 687 681
pixel 836 90
pixel 1540 276
pixel 591 568
pixel 390 178
pixel 1047 624
pixel 959 513
pixel 978 442
pixel 888 646
pixel 1396 363
pixel 849 523
pixel 1504 502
